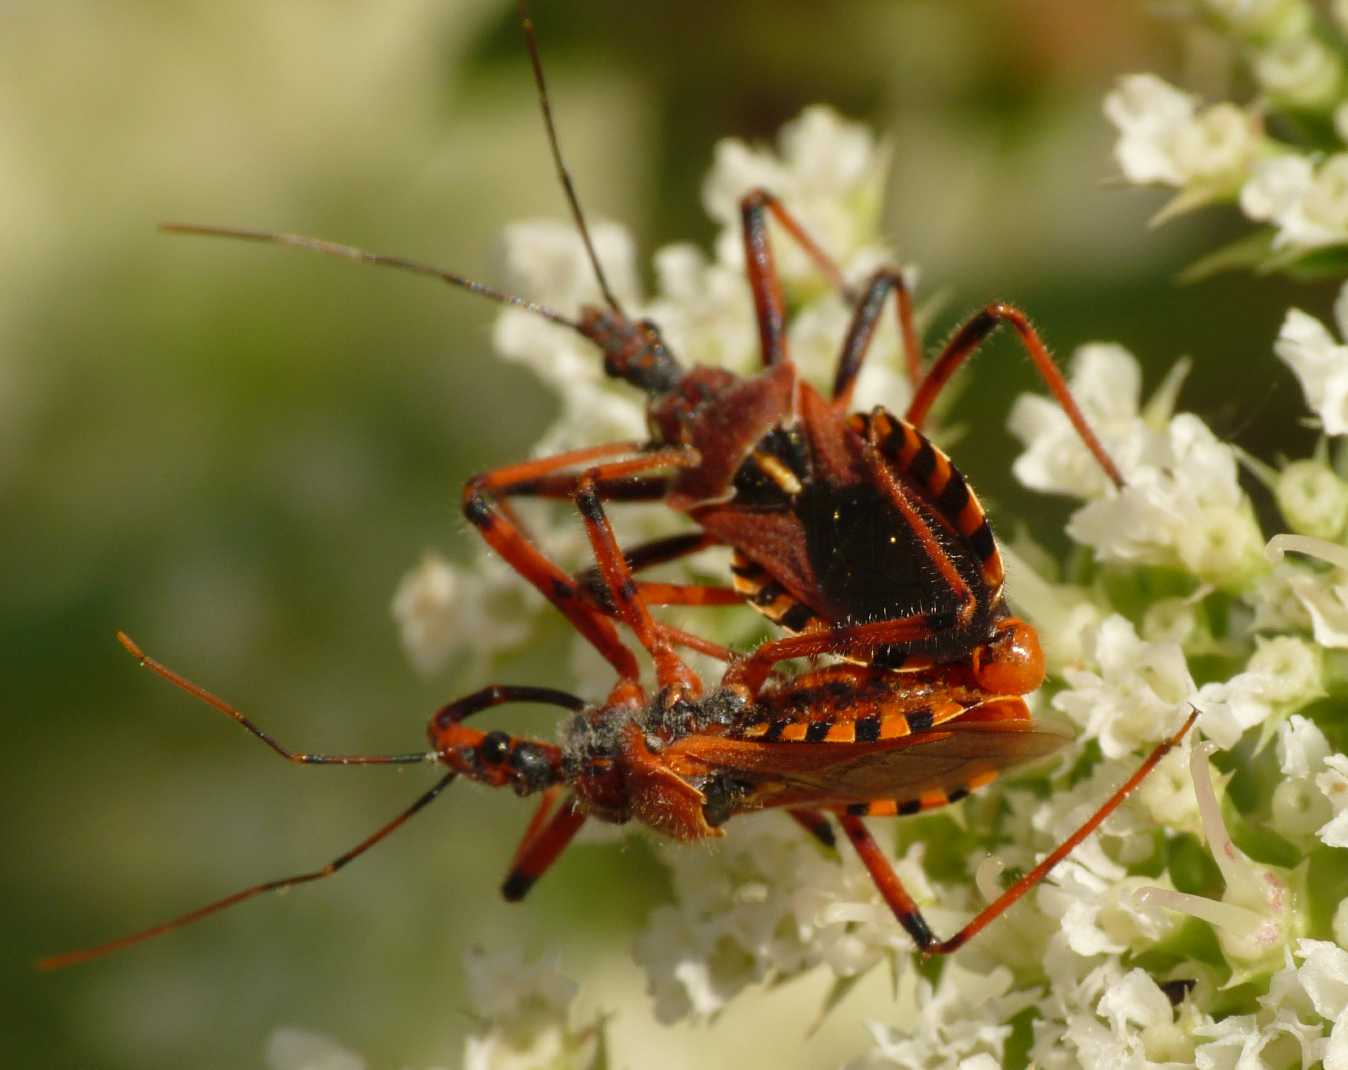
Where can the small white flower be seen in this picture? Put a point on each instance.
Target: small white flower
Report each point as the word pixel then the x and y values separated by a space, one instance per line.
pixel 1109 1018
pixel 1181 503
pixel 1065 616
pixel 1302 747
pixel 1300 72
pixel 1309 204
pixel 1232 706
pixel 1164 139
pixel 1135 695
pixel 1167 795
pixel 1106 382
pixel 764 903
pixel 1276 186
pixel 1324 975
pixel 705 309
pixel 828 172
pixel 963 1022
pixel 1320 363
pixel 1143 1019
pixel 443 611
pixel 1101 915
pixel 1298 808
pixel 1291 669
pixel 546 261
pixel 1333 784
pixel 1312 498
pixel 1324 598
pixel 1148 111
pixel 425 611
pixel 526 1008
pixel 503 986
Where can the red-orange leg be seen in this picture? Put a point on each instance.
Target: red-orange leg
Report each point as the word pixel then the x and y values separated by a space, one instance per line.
pixel 493 695
pixel 541 846
pixel 761 268
pixel 906 910
pixel 644 555
pixel 752 672
pixel 687 594
pixel 689 641
pixel 816 824
pixel 862 330
pixel 769 305
pixel 670 670
pixel 508 538
pixel 966 342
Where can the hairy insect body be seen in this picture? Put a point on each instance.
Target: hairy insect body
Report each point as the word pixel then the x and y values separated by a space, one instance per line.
pixel 842 738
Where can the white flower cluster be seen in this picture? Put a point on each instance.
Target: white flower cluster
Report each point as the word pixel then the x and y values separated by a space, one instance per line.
pixel 1143 949
pixel 1226 152
pixel 525 1010
pixel 764 904
pixel 1182 506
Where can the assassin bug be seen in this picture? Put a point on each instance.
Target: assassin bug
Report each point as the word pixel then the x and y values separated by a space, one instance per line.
pixel 848 740
pixel 802 492
pixel 853 532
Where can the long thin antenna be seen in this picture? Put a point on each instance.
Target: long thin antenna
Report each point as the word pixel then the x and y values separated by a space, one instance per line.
pixel 350 252
pixel 527 24
pixel 216 702
pixel 71 958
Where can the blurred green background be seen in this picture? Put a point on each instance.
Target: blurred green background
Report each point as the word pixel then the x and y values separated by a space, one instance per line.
pixel 234 453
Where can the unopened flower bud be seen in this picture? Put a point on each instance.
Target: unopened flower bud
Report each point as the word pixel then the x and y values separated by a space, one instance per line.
pixel 1300 72
pixel 1313 499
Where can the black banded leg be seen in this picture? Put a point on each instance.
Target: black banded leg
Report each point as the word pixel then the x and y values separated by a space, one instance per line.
pixel 642 556
pixel 493 695
pixel 966 342
pixel 887 881
pixel 816 824
pixel 541 849
pixel 862 330
pixel 905 909
pixel 621 589
pixel 761 268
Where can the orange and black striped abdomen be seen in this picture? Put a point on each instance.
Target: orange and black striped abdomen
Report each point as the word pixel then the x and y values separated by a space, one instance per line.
pixel 768 596
pixel 878 762
pixel 925 467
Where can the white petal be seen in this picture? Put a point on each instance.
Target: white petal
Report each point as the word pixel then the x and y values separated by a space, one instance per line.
pixel 1275 187
pixel 1324 975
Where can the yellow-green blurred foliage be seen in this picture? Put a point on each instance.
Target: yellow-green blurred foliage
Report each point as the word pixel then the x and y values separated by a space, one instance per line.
pixel 234 452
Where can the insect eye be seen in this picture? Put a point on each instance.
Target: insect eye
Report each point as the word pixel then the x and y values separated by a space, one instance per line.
pixel 532 771
pixel 494 748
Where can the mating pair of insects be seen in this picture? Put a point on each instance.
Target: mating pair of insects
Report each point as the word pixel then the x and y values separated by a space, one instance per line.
pixel 852 532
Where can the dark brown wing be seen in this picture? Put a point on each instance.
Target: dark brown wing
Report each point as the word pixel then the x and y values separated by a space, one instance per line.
pixel 958 756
